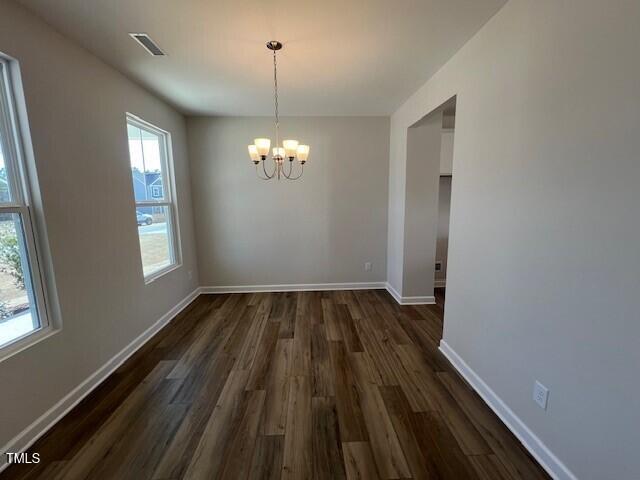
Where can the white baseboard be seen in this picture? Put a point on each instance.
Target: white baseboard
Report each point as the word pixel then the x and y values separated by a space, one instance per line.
pixel 440 283
pixel 33 432
pixel 531 442
pixel 296 287
pixel 303 287
pixel 409 300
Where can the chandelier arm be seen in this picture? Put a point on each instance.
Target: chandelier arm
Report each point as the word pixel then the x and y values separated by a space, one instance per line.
pixel 289 177
pixel 264 169
pixel 266 175
pixel 290 170
pixel 260 176
pixel 301 172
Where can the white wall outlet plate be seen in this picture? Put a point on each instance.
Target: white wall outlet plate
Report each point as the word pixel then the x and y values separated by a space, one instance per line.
pixel 540 395
pixel 367 267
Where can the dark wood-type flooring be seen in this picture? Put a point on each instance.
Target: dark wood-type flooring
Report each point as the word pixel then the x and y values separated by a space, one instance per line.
pixel 324 385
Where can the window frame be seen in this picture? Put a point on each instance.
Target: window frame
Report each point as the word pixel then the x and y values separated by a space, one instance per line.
pixel 169 189
pixel 21 204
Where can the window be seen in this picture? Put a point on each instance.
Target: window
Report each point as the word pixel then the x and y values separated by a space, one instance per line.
pixel 156 191
pixel 22 304
pixel 152 176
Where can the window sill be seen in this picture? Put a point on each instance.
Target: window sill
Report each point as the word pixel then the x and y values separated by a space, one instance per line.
pixel 27 341
pixel 161 273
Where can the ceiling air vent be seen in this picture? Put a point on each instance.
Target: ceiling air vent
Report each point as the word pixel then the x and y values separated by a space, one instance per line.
pixel 148 44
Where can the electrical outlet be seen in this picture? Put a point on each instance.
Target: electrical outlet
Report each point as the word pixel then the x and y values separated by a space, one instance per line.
pixel 438 266
pixel 190 274
pixel 540 395
pixel 367 267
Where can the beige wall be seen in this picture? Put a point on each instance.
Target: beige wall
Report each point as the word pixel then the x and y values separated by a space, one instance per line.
pixel 543 275
pixel 76 107
pixel 446 152
pixel 319 229
pixel 421 207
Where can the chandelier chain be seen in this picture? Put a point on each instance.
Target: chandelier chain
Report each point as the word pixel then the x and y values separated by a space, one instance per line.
pixel 275 96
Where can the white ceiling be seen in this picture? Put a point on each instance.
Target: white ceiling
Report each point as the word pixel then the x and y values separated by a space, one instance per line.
pixel 341 57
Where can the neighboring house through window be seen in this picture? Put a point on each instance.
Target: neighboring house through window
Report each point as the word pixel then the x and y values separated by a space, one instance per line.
pixel 152 177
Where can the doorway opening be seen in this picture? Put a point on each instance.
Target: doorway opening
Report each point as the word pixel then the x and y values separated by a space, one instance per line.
pixel 444 202
pixel 429 163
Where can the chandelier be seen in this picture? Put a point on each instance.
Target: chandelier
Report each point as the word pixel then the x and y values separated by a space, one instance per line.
pixel 290 149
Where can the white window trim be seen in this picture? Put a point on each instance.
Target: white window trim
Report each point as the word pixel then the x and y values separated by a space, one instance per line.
pixel 21 203
pixel 170 201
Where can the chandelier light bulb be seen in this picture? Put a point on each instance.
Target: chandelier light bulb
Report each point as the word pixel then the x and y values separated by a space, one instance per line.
pixel 262 144
pixel 290 148
pixel 302 153
pixel 253 153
